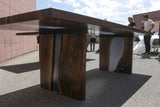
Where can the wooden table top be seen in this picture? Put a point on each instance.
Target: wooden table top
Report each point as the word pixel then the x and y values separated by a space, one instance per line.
pixel 58 19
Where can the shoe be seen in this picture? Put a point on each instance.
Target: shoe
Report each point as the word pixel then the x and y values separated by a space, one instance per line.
pixel 97 51
pixel 144 53
pixel 148 53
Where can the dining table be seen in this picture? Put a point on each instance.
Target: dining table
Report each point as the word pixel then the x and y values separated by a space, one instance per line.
pixel 62 47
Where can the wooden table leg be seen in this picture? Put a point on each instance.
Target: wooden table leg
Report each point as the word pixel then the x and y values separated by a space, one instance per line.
pixel 116 53
pixel 46 45
pixel 63 64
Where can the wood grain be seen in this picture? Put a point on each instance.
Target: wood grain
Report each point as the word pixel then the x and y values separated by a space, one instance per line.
pixel 72 66
pixel 61 19
pixel 125 63
pixel 46 56
pixel 70 74
pixel 105 44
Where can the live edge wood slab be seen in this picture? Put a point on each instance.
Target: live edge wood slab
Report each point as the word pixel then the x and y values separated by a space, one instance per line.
pixel 63 47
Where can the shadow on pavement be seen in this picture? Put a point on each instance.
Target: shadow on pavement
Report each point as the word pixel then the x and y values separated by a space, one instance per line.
pixel 146 57
pixel 152 54
pixel 20 68
pixel 103 89
pixel 158 59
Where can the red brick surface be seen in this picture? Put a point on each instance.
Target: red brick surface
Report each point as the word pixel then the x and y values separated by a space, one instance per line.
pixel 155 16
pixel 11 45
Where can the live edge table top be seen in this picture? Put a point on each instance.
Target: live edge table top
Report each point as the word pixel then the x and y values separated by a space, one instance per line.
pixel 57 19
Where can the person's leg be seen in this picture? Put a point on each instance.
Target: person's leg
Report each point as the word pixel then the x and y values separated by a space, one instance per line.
pixel 145 43
pixel 87 43
pixel 149 50
pixel 90 44
pixel 148 47
pixel 93 46
pixel 94 42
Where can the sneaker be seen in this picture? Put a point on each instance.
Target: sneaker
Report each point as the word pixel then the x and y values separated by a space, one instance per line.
pixel 144 53
pixel 97 51
pixel 148 53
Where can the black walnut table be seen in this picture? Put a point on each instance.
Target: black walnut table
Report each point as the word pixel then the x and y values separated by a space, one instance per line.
pixel 63 47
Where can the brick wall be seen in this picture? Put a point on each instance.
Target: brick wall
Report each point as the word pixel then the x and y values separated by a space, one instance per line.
pixel 155 16
pixel 11 45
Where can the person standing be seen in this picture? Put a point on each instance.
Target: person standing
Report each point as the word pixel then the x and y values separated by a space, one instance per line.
pixel 99 40
pixel 148 26
pixel 92 35
pixel 131 22
pixel 92 43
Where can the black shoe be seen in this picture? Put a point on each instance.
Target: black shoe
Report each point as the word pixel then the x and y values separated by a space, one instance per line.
pixel 148 53
pixel 144 53
pixel 97 51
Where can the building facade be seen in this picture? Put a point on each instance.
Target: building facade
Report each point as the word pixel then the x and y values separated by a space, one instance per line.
pixel 11 45
pixel 155 16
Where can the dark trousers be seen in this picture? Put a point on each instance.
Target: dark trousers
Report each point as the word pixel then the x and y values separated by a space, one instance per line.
pixel 147 39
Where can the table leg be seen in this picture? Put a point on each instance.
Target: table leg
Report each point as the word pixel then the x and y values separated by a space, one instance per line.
pixel 116 53
pixel 63 64
pixel 46 45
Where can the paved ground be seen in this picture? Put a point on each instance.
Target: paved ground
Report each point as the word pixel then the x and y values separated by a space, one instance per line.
pixel 19 85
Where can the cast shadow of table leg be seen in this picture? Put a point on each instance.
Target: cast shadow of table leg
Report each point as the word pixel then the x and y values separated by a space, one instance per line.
pixel 102 89
pixel 21 68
